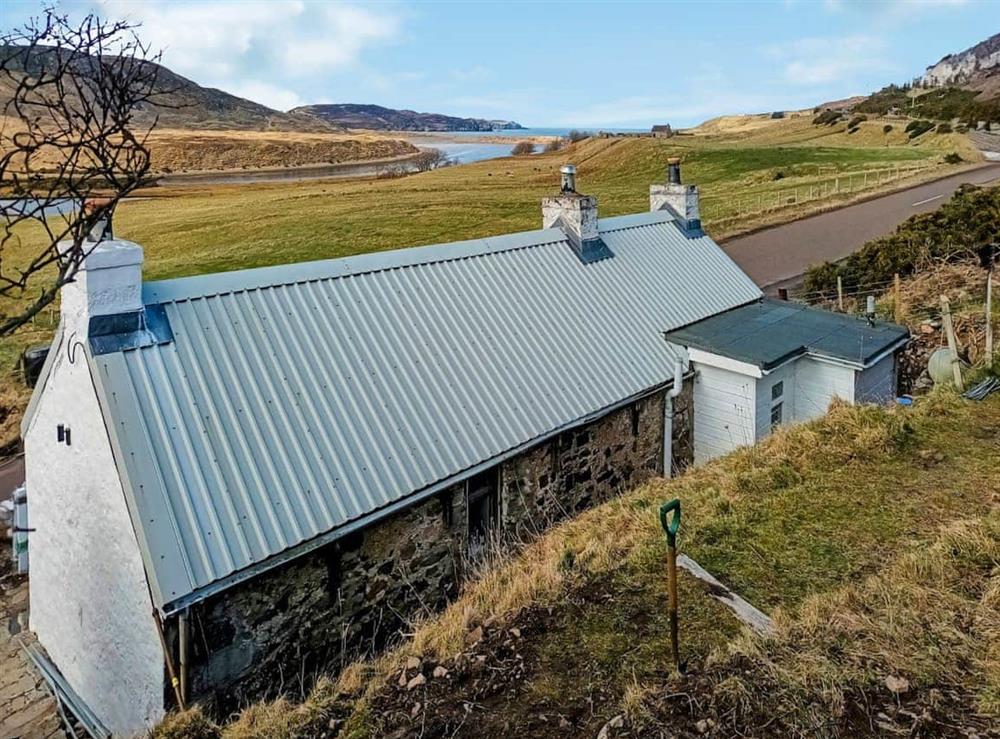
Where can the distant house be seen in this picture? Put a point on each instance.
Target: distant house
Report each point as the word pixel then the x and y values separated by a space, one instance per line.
pixel 663 131
pixel 777 115
pixel 270 470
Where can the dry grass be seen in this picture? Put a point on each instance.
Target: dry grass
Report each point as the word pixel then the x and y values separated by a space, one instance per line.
pixel 853 482
pixel 930 619
pixel 196 151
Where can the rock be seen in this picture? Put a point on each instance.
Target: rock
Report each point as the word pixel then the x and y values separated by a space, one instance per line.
pixel 897 684
pixel 615 723
pixel 440 672
pixel 475 636
pixel 516 632
pixel 416 681
pixel 563 723
pixel 701 726
pixel 413 663
pixel 415 710
pixel 402 679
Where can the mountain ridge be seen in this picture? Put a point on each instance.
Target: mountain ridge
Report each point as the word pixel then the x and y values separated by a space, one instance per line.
pixel 380 118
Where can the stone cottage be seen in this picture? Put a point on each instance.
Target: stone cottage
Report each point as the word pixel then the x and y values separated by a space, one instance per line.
pixel 239 478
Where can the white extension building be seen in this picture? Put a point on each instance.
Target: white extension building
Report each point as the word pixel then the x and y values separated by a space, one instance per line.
pixel 772 362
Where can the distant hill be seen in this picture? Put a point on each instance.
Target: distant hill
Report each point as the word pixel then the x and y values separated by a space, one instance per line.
pixel 964 86
pixel 378 118
pixel 182 103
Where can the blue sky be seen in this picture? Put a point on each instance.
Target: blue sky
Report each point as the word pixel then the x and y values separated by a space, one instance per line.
pixel 552 64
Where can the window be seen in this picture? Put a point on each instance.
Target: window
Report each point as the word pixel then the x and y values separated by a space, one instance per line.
pixel 776 415
pixel 484 509
pixel 777 390
pixel 635 419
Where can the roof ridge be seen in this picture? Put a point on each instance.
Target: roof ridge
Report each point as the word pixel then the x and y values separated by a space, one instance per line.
pixel 279 275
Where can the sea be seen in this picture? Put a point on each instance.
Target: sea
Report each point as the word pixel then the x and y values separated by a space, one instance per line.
pixel 467 146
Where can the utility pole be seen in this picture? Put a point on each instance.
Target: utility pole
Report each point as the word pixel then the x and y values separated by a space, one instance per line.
pixel 840 293
pixel 949 330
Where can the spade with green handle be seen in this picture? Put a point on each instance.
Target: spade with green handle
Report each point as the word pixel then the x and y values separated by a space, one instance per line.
pixel 671 524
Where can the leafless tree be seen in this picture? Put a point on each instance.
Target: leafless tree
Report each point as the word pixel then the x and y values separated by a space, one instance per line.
pixel 429 159
pixel 68 138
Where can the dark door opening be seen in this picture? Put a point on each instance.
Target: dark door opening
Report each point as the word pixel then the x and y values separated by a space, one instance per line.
pixel 484 509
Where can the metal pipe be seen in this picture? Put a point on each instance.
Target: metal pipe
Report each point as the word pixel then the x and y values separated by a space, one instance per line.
pixel 668 419
pixel 171 673
pixel 184 642
pixel 674 171
pixel 568 172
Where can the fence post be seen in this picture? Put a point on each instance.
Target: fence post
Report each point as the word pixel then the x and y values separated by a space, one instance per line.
pixel 989 316
pixel 897 296
pixel 840 293
pixel 949 329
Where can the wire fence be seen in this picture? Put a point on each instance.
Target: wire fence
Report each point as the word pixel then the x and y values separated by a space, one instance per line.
pixel 722 209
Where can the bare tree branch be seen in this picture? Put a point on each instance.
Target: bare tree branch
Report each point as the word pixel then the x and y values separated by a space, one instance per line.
pixel 68 136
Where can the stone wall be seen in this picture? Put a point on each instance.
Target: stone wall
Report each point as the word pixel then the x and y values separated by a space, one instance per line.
pixel 273 633
pixel 587 466
pixel 269 634
pixel 683 431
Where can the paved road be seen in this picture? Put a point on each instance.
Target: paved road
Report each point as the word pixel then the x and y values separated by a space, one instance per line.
pixel 11 475
pixel 779 256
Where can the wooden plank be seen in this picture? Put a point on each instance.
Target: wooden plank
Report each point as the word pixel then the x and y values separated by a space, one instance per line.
pixel 752 617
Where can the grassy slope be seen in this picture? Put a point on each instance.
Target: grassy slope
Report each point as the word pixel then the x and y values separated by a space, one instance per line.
pixel 872 535
pixel 195 230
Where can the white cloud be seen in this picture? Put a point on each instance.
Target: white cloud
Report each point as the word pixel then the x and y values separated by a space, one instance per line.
pixel 259 47
pixel 817 61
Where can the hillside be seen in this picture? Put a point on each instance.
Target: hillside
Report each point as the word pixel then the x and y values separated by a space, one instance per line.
pixel 965 85
pixel 871 536
pixel 769 174
pixel 182 103
pixel 375 117
pixel 976 69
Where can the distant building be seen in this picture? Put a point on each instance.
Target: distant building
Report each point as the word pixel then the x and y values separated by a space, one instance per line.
pixel 662 131
pixel 777 115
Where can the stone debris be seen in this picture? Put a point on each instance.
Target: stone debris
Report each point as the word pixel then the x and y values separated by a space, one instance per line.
pixel 475 636
pixel 897 684
pixel 413 663
pixel 416 681
pixel 615 723
pixel 415 710
pixel 402 679
pixel 516 632
pixel 440 672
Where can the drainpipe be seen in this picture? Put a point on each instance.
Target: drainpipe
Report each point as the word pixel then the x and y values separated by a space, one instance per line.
pixel 668 419
pixel 184 640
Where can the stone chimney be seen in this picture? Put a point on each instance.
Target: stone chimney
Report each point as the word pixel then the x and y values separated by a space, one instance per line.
pixel 681 200
pixel 108 283
pixel 576 215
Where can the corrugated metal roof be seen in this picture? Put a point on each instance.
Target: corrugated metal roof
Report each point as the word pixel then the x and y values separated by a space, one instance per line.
pixel 769 332
pixel 294 400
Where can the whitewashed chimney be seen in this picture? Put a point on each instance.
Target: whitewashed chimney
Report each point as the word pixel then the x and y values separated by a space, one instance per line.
pixel 576 215
pixel 679 199
pixel 108 282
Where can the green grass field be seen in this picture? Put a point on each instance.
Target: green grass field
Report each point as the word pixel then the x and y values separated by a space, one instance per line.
pixel 206 229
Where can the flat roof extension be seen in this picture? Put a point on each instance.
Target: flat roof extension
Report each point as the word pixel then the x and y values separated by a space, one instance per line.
pixel 769 332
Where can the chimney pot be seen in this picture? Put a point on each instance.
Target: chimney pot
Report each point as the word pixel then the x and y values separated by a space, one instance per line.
pixel 568 172
pixel 101 228
pixel 576 215
pixel 674 197
pixel 674 170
